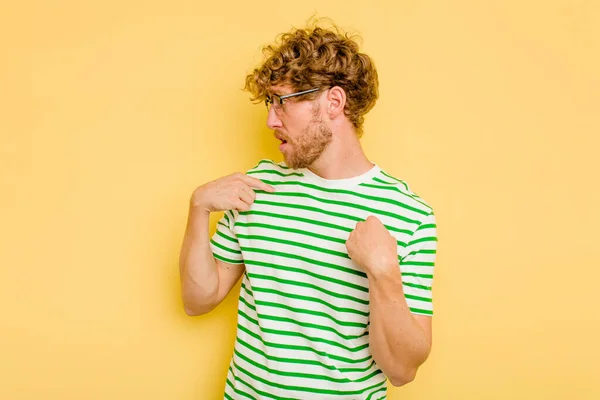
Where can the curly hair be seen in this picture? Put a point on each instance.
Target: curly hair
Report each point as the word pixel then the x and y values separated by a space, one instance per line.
pixel 318 57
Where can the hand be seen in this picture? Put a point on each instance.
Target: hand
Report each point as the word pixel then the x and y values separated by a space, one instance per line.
pixel 231 192
pixel 372 247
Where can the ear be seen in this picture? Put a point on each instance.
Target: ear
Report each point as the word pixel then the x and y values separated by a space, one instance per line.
pixel 336 97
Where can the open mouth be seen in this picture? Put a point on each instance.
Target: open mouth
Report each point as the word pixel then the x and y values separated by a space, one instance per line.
pixel 281 138
pixel 283 144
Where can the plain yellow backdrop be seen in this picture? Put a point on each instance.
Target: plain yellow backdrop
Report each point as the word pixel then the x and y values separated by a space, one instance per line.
pixel 112 112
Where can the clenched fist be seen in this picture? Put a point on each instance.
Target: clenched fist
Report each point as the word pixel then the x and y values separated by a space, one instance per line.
pixel 372 247
pixel 231 192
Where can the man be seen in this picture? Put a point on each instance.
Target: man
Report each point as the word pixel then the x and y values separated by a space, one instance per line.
pixel 336 255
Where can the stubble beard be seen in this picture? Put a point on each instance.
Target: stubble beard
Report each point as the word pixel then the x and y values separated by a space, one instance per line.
pixel 310 145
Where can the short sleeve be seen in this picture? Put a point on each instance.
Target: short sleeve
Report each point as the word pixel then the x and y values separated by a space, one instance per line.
pixel 224 243
pixel 417 267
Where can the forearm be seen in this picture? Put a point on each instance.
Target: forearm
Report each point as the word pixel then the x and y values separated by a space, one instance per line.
pixel 397 341
pixel 197 268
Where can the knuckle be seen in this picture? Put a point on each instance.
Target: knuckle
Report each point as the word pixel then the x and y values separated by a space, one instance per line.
pixel 236 177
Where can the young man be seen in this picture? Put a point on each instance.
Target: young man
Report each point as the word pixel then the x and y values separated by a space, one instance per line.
pixel 336 255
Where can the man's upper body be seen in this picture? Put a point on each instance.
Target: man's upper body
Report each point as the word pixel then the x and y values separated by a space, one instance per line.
pixel 304 308
pixel 336 255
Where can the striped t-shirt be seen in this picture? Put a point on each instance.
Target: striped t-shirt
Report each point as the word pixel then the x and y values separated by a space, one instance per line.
pixel 303 311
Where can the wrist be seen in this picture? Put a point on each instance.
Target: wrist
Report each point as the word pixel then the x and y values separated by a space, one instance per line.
pixel 198 199
pixel 387 272
pixel 198 210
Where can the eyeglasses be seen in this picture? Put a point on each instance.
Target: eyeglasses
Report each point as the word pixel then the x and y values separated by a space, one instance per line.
pixel 276 101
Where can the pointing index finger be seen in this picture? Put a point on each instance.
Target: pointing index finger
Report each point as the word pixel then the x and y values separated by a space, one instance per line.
pixel 256 183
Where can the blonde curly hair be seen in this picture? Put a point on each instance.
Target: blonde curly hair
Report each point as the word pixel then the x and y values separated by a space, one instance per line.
pixel 318 57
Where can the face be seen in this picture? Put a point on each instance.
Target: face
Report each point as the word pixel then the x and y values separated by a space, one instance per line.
pixel 300 127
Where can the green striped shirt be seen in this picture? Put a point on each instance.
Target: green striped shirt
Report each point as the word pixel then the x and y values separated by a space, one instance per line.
pixel 303 312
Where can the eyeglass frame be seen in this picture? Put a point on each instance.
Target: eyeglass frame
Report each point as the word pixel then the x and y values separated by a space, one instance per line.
pixel 269 99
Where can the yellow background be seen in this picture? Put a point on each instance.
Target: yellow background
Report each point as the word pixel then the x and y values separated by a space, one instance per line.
pixel 112 112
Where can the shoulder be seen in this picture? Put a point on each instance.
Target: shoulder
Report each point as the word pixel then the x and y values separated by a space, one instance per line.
pixel 267 165
pixel 400 191
pixel 269 169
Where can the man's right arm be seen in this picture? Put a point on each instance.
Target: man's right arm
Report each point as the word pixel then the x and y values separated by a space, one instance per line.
pixel 205 281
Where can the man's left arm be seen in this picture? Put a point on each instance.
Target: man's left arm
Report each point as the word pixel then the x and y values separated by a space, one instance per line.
pixel 400 340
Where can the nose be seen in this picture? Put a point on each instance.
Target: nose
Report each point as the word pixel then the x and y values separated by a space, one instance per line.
pixel 273 121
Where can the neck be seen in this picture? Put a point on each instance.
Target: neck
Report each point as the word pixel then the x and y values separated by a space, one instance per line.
pixel 343 158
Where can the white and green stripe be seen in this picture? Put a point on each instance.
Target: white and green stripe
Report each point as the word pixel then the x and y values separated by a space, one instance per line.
pixel 303 313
